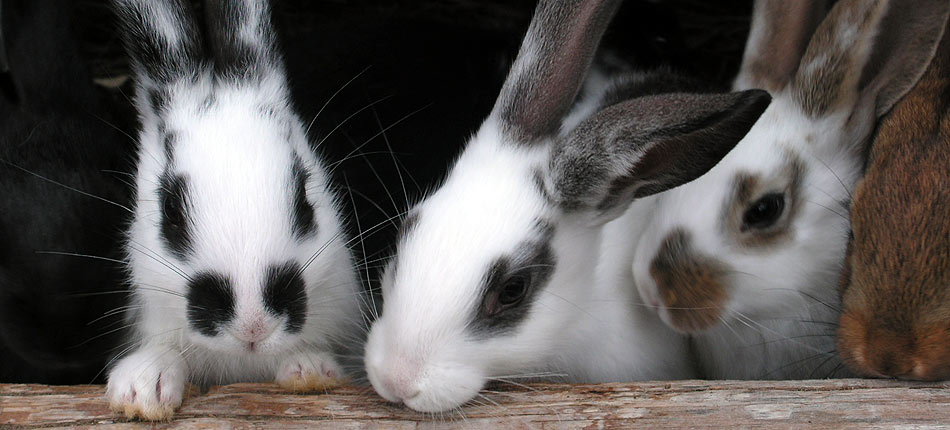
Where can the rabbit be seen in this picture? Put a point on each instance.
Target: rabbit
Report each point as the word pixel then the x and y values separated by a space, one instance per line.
pixel 61 212
pixel 745 259
pixel 239 267
pixel 494 272
pixel 895 282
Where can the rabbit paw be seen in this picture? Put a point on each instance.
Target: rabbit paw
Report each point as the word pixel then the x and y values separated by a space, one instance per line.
pixel 309 371
pixel 149 384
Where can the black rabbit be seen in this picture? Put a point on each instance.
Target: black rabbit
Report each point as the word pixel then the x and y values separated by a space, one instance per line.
pixel 63 200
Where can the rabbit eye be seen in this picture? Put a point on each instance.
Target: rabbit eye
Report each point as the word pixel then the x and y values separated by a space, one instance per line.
pixel 174 222
pixel 173 210
pixel 513 292
pixel 764 212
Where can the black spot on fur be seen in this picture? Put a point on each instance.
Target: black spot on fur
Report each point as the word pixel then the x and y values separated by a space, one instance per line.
pixel 527 269
pixel 285 294
pixel 234 57
pixel 304 221
pixel 154 57
pixel 210 302
pixel 169 144
pixel 157 100
pixel 175 225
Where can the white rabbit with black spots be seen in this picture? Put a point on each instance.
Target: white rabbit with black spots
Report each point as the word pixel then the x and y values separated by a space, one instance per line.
pixel 494 273
pixel 239 267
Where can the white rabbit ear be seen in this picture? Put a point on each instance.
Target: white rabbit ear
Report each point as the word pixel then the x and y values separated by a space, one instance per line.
pixel 242 39
pixel 162 38
pixel 551 65
pixel 644 146
pixel 868 54
pixel 779 33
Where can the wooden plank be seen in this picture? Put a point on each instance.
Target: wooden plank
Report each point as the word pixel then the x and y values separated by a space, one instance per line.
pixel 820 404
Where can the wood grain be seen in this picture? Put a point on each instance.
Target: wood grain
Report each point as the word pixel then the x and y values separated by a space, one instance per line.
pixel 831 404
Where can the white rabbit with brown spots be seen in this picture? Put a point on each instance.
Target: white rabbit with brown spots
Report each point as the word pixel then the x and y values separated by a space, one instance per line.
pixel 746 258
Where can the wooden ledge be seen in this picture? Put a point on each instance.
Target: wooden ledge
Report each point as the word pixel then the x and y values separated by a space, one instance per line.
pixel 841 403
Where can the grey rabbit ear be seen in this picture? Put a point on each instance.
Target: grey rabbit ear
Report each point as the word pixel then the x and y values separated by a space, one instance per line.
pixel 243 41
pixel 162 38
pixel 644 146
pixel 551 65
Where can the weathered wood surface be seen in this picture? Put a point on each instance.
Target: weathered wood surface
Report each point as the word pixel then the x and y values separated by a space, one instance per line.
pixel 844 403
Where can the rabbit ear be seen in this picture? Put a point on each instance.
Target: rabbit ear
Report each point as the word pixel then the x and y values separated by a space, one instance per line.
pixel 868 54
pixel 644 146
pixel 243 42
pixel 778 36
pixel 162 39
pixel 905 46
pixel 551 65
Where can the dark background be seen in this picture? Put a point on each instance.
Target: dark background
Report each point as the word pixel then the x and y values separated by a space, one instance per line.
pixel 413 80
pixel 425 74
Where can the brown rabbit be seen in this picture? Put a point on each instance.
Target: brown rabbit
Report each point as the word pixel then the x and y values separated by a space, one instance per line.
pixel 896 282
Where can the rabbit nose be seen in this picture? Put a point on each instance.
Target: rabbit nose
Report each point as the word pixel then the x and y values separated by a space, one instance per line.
pixel 397 381
pixel 401 388
pixel 254 331
pixel 898 354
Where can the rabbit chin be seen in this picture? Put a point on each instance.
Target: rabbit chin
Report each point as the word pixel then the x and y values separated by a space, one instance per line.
pixel 277 343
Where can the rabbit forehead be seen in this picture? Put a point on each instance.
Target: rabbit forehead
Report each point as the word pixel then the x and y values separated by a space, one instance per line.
pixel 488 207
pixel 239 164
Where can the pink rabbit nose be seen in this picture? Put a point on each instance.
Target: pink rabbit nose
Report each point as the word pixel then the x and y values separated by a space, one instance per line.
pixel 401 388
pixel 397 384
pixel 254 331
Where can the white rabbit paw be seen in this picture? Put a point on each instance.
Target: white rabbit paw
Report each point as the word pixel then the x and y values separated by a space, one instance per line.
pixel 310 371
pixel 148 384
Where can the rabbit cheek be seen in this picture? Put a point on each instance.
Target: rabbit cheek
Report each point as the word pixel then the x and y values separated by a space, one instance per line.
pixel 210 301
pixel 691 286
pixel 285 296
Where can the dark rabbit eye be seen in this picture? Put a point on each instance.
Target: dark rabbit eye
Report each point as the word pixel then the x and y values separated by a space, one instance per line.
pixel 174 223
pixel 173 210
pixel 764 212
pixel 513 292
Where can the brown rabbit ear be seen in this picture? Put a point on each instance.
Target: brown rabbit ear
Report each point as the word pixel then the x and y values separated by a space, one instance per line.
pixel 779 33
pixel 905 46
pixel 644 146
pixel 551 65
pixel 867 54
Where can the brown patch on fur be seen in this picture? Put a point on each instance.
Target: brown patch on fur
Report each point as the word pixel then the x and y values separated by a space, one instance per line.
pixel 691 286
pixel 899 274
pixel 828 67
pixel 748 189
